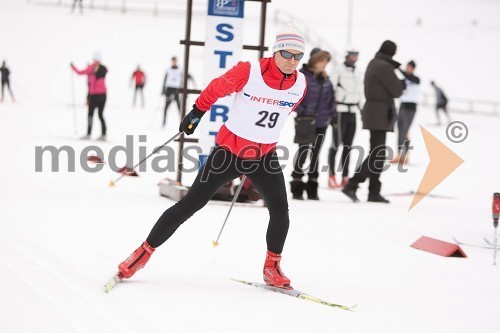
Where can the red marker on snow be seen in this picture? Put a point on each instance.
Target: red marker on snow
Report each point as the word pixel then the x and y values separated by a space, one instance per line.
pixel 496 213
pixel 496 208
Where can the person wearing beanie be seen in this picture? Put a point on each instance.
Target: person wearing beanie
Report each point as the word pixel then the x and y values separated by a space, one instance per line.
pixel 266 92
pixel 348 92
pixel 407 110
pixel 316 110
pixel 389 48
pixel 96 74
pixel 379 116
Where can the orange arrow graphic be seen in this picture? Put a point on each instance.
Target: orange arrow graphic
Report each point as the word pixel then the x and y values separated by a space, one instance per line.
pixel 442 163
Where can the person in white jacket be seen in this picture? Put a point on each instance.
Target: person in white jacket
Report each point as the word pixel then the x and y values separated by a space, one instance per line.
pixel 172 82
pixel 349 91
pixel 407 111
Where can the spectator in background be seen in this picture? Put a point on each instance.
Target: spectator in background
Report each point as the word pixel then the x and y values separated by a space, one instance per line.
pixel 139 79
pixel 441 102
pixel 348 85
pixel 96 74
pixel 5 78
pixel 317 109
pixel 173 81
pixel 378 115
pixel 407 110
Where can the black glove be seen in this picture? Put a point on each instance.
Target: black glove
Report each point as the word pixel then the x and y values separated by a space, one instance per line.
pixel 191 120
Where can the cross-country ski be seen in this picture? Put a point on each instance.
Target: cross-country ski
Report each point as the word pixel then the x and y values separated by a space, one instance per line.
pixel 295 293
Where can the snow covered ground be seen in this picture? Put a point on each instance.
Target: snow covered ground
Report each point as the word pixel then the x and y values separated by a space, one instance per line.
pixel 62 234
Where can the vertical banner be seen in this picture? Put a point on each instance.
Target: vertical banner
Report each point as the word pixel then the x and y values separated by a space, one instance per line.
pixel 223 48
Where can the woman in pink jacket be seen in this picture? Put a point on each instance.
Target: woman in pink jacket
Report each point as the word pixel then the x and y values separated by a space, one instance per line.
pixel 96 73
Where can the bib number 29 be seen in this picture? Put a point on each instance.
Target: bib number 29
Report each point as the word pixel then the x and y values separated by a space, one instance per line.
pixel 268 119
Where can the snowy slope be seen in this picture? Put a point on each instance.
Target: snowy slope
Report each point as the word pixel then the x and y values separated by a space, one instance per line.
pixel 62 234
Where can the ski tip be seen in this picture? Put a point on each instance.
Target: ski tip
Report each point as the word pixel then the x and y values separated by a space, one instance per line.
pixel 240 281
pixel 108 286
pixel 111 184
pixel 215 244
pixel 111 283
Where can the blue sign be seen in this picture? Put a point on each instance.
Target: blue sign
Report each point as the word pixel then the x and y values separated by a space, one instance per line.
pixel 230 8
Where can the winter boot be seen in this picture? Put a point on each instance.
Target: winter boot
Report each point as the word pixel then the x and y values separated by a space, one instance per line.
pixel 377 198
pixel 136 261
pixel 273 276
pixel 312 190
pixel 297 187
pixel 350 191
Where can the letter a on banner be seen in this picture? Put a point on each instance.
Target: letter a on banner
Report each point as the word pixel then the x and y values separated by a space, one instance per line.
pixel 223 48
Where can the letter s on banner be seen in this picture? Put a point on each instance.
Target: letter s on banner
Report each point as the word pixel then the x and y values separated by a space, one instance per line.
pixel 228 35
pixel 223 49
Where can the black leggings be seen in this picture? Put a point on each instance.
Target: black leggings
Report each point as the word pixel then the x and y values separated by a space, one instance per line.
pixel 96 101
pixel 139 89
pixel 221 167
pixel 445 110
pixel 405 118
pixel 171 94
pixel 7 84
pixel 344 128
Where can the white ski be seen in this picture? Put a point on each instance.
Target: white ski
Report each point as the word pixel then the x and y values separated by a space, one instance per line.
pixel 297 294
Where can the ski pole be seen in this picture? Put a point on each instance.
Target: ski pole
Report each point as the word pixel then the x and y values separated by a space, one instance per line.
pixel 495 249
pixel 112 183
pixel 496 215
pixel 215 243
pixel 73 101
pixel 190 126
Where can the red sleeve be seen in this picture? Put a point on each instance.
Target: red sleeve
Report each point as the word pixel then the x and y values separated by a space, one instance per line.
pixel 85 71
pixel 233 80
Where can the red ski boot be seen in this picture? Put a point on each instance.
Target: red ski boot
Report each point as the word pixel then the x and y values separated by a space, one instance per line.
pixel 136 261
pixel 273 276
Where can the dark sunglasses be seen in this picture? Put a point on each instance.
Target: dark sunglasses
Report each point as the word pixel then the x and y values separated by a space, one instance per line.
pixel 289 55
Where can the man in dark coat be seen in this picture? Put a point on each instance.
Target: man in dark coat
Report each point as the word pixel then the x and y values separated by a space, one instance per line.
pixel 379 116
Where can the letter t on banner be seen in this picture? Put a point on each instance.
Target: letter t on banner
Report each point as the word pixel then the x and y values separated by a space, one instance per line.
pixel 223 49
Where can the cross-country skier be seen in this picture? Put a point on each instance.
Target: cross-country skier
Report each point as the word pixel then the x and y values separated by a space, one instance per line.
pixel 139 79
pixel 441 103
pixel 96 74
pixel 266 93
pixel 5 78
pixel 171 84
